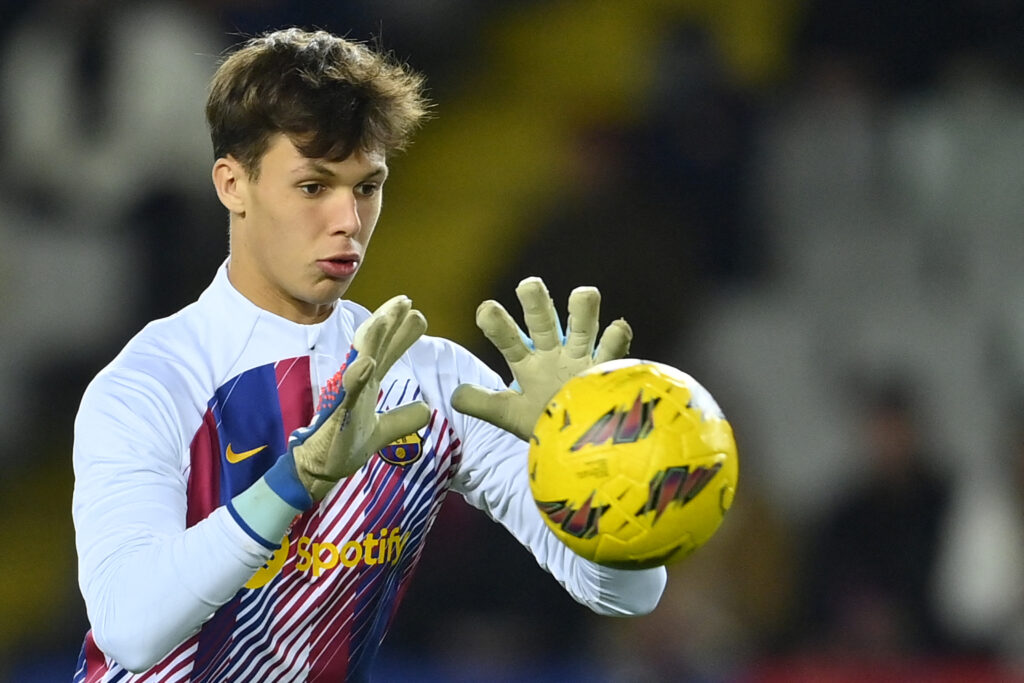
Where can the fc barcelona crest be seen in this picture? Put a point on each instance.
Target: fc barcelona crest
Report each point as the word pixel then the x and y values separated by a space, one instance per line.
pixel 403 451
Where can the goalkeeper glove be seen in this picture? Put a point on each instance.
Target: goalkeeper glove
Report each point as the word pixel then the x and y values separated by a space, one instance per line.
pixel 346 429
pixel 542 362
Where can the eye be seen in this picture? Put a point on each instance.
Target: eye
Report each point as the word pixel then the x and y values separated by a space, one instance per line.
pixel 311 189
pixel 367 189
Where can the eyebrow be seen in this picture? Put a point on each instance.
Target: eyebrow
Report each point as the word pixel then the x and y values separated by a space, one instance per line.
pixel 320 168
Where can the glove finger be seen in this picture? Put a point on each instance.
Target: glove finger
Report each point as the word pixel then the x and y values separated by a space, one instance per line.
pixel 336 399
pixel 410 328
pixel 539 314
pixel 399 422
pixel 614 342
pixel 395 311
pixel 485 404
pixel 499 327
pixel 355 378
pixel 374 332
pixel 584 308
pixel 369 336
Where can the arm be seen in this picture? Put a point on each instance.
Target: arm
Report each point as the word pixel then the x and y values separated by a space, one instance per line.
pixel 149 583
pixel 493 478
pixel 493 474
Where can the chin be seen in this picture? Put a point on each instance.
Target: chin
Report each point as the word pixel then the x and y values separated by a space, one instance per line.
pixel 325 296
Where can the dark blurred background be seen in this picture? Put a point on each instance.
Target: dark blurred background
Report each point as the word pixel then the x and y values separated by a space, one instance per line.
pixel 813 206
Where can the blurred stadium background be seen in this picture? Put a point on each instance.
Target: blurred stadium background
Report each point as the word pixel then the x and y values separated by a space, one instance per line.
pixel 814 206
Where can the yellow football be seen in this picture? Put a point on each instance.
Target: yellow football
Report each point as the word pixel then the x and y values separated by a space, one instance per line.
pixel 633 464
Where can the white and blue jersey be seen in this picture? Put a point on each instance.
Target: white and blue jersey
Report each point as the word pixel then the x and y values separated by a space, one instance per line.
pixel 193 411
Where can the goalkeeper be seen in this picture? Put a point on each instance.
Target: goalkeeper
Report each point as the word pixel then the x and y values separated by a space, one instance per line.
pixel 255 476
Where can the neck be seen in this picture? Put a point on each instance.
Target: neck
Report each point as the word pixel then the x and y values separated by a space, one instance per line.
pixel 256 291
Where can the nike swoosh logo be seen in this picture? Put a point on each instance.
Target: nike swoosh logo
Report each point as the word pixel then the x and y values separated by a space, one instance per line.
pixel 239 457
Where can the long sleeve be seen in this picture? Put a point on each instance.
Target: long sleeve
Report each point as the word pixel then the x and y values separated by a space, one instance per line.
pixel 493 477
pixel 495 480
pixel 148 582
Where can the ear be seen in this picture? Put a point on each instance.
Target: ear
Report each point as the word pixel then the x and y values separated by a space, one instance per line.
pixel 230 180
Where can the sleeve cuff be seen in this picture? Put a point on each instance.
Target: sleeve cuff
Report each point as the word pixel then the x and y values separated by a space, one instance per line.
pixel 249 530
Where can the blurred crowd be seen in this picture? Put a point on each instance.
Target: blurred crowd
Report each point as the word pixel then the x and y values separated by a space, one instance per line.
pixel 813 206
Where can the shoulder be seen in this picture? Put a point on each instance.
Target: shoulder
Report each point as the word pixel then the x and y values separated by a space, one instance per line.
pixel 196 340
pixel 171 364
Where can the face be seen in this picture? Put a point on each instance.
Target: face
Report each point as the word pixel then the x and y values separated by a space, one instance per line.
pixel 299 231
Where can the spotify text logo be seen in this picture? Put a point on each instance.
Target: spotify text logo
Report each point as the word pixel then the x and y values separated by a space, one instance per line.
pixel 317 557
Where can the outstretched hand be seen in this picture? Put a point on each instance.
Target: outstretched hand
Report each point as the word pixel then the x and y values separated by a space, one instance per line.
pixel 347 429
pixel 545 359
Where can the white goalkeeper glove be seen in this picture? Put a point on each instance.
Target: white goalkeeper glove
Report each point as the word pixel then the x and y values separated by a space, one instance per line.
pixel 346 429
pixel 544 361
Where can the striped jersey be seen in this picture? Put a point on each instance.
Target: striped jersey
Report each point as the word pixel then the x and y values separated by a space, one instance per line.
pixel 193 411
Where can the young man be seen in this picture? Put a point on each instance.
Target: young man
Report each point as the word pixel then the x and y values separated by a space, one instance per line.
pixel 227 528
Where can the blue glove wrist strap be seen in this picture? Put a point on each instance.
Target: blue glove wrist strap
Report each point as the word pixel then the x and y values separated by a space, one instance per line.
pixel 283 479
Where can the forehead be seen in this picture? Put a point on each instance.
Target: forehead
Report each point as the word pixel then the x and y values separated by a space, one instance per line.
pixel 282 156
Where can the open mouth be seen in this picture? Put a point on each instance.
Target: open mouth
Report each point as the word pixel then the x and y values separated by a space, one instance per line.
pixel 339 268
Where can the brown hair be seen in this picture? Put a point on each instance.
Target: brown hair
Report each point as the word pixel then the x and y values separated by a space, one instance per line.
pixel 329 95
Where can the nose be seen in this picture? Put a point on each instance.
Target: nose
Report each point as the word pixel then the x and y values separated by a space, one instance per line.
pixel 344 215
